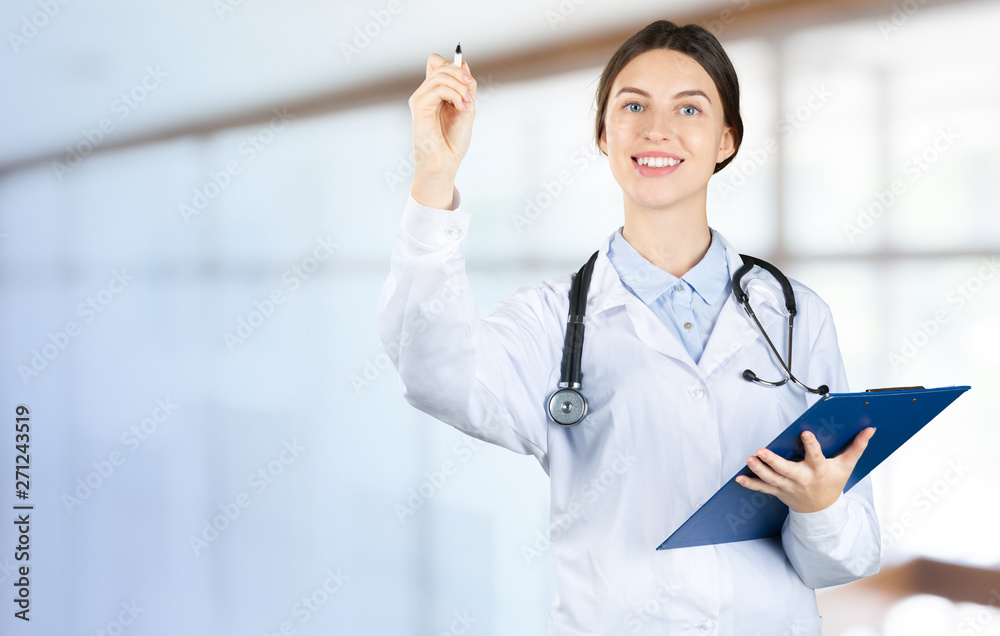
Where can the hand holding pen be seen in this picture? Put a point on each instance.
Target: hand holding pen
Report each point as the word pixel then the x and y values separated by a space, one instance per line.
pixel 443 109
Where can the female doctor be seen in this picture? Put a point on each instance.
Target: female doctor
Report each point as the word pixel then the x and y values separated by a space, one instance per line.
pixel 670 416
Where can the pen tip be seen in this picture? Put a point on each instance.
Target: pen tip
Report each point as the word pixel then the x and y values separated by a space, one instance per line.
pixel 458 49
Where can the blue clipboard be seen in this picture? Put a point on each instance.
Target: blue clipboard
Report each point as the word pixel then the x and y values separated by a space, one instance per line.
pixel 735 513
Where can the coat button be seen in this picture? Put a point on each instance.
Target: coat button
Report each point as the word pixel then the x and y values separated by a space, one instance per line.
pixel 706 626
pixel 454 232
pixel 697 392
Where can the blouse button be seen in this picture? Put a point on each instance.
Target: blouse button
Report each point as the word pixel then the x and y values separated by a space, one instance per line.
pixel 697 392
pixel 687 325
pixel 706 626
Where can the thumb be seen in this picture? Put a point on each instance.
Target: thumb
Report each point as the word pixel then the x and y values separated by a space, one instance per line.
pixel 857 447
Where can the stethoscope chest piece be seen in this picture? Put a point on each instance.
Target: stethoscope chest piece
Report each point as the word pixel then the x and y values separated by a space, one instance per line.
pixel 567 407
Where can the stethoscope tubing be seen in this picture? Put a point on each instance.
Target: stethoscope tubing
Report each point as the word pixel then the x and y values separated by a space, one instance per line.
pixel 567 406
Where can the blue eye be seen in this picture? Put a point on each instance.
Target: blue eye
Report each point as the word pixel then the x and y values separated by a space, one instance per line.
pixel 694 108
pixel 638 106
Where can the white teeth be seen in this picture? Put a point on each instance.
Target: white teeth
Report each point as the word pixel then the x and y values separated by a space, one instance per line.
pixel 657 162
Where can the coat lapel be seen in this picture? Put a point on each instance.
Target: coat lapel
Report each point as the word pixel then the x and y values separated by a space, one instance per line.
pixel 608 292
pixel 733 331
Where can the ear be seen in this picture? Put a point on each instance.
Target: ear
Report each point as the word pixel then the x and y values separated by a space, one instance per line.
pixel 727 146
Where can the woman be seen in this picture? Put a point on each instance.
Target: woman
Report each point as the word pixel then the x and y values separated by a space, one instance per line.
pixel 670 416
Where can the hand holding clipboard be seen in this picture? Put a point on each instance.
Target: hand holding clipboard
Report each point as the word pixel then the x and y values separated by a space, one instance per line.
pixel 735 513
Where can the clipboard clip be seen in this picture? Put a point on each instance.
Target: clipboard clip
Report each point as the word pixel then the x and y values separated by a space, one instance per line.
pixel 896 388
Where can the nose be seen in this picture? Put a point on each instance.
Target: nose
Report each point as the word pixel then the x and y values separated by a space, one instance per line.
pixel 660 127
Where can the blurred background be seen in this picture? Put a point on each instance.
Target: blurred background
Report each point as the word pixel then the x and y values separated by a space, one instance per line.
pixel 197 206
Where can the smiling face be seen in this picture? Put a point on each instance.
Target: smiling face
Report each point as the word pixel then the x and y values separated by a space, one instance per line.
pixel 664 131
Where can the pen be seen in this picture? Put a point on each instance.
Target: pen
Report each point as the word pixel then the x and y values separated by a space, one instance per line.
pixel 458 54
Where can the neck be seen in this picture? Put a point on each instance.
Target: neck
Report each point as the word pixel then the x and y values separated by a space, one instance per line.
pixel 674 239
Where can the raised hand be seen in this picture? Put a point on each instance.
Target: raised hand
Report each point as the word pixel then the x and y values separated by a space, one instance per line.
pixel 443 109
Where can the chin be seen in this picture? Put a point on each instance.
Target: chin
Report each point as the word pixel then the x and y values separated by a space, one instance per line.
pixel 657 204
pixel 656 198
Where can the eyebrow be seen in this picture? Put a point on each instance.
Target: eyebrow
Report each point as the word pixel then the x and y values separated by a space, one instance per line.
pixel 693 92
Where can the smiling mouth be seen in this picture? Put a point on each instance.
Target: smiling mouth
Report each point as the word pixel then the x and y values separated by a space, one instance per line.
pixel 657 162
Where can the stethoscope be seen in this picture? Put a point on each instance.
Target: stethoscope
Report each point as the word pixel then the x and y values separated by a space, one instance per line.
pixel 567 406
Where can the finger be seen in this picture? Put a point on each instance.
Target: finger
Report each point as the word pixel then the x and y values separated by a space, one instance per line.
pixel 813 449
pixel 752 483
pixel 779 464
pixel 456 78
pixel 434 61
pixel 436 92
pixel 470 80
pixel 853 453
pixel 447 67
pixel 765 472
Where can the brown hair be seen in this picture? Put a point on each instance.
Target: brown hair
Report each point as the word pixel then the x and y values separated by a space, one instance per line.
pixel 693 41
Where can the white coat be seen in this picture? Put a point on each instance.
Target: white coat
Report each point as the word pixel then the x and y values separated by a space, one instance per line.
pixel 662 435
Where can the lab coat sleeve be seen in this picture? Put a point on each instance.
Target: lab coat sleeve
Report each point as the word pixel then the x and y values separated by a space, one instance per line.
pixel 841 543
pixel 486 377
